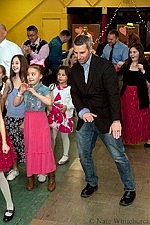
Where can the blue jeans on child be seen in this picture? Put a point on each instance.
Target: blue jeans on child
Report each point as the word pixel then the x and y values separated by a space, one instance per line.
pixel 86 139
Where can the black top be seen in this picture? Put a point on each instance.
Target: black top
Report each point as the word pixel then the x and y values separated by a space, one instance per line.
pixel 137 78
pixel 35 48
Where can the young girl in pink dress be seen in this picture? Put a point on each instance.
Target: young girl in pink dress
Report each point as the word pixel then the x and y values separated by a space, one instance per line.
pixel 7 157
pixel 61 114
pixel 38 151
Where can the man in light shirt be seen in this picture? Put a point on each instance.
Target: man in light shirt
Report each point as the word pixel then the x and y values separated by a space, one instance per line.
pixel 120 50
pixel 7 49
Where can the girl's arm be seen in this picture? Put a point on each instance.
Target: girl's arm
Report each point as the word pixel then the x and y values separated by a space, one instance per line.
pixel 19 98
pixel 5 93
pixel 47 100
pixel 5 147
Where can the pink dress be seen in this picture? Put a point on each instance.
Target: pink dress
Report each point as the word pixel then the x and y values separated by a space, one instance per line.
pixel 37 138
pixel 6 160
pixel 63 122
pixel 38 150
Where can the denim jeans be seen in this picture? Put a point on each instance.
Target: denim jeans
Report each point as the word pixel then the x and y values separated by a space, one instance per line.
pixel 86 139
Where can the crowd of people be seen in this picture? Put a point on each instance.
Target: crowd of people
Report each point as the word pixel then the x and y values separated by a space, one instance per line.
pixel 84 82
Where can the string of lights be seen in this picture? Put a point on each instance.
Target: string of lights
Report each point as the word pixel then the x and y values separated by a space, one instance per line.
pixel 138 12
pixel 115 13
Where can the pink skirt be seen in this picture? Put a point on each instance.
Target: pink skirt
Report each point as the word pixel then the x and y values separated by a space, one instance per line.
pixel 38 150
pixel 135 121
pixel 6 160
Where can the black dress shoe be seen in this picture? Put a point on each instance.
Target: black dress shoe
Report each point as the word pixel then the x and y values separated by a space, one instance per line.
pixel 146 145
pixel 127 198
pixel 7 218
pixel 88 190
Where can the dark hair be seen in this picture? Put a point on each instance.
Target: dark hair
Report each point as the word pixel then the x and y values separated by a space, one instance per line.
pixel 32 28
pixel 115 32
pixel 140 49
pixel 69 63
pixel 4 78
pixel 40 68
pixel 67 72
pixel 65 33
pixel 23 69
pixel 81 40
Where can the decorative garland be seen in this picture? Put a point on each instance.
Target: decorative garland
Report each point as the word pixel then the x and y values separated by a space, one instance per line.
pixel 115 13
pixel 142 21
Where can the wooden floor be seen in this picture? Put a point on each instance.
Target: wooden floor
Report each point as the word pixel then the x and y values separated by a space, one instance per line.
pixel 64 206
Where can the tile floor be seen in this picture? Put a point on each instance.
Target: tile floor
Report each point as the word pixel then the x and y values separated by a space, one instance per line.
pixel 64 206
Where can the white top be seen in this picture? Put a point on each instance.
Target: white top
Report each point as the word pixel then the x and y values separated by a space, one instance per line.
pixel 65 99
pixel 7 50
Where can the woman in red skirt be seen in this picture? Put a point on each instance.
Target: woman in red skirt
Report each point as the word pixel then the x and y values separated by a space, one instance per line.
pixel 134 98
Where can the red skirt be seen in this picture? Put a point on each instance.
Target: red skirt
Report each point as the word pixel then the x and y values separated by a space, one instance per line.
pixel 59 121
pixel 135 121
pixel 38 150
pixel 6 160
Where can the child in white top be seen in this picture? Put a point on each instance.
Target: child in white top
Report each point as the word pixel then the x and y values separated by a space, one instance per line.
pixel 61 114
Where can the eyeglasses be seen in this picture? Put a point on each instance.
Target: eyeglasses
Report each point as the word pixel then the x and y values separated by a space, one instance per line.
pixel 31 35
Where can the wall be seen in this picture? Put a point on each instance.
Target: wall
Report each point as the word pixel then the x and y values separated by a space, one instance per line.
pixel 48 15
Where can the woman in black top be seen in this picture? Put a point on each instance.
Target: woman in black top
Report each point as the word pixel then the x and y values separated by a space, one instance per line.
pixel 134 98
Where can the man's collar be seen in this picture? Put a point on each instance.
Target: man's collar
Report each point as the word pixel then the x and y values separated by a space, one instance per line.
pixel 3 42
pixel 87 62
pixel 36 42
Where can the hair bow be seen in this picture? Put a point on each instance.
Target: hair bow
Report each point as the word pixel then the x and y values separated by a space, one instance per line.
pixel 37 62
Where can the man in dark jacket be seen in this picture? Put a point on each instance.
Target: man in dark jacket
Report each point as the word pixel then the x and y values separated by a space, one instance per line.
pixel 95 95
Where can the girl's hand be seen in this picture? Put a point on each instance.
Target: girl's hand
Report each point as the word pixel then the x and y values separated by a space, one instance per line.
pixel 141 67
pixel 5 148
pixel 63 109
pixel 23 88
pixel 49 108
pixel 22 126
pixel 31 90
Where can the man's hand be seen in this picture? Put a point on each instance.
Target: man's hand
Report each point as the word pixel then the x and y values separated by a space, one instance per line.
pixel 27 49
pixel 115 129
pixel 119 64
pixel 88 117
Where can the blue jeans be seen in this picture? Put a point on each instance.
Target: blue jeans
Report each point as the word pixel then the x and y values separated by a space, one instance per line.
pixel 86 139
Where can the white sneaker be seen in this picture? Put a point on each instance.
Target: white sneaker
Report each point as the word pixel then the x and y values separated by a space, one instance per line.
pixel 63 160
pixel 12 174
pixel 41 178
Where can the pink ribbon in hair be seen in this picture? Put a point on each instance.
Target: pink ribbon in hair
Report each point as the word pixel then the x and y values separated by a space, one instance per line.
pixel 37 62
